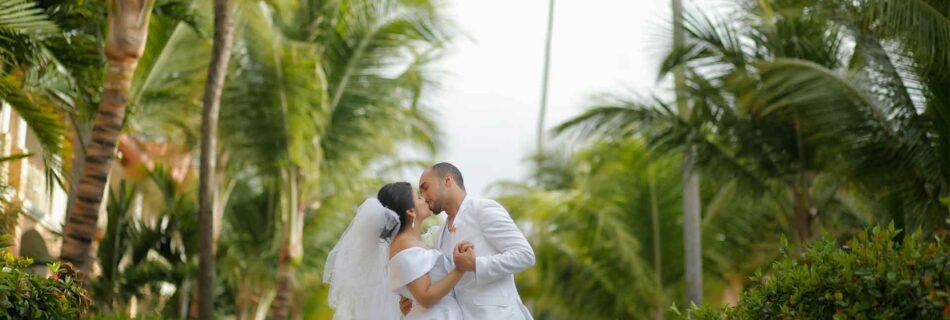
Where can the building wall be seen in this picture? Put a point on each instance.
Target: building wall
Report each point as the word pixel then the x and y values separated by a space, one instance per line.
pixel 26 183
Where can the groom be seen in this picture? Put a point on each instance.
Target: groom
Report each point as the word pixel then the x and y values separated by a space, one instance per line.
pixel 501 250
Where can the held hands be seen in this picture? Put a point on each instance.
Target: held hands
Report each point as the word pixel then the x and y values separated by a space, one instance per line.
pixel 464 256
pixel 405 305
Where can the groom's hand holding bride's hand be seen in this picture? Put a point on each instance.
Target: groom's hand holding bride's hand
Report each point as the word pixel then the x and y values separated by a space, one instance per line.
pixel 464 256
pixel 405 305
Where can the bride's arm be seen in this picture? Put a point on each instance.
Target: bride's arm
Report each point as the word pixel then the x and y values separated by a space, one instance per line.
pixel 428 293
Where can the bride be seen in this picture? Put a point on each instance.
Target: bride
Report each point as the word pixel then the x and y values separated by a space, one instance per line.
pixel 381 257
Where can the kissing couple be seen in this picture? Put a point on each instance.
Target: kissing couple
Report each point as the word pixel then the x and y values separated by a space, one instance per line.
pixel 381 268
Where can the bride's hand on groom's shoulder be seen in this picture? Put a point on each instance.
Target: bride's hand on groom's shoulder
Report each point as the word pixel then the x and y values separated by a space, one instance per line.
pixel 464 256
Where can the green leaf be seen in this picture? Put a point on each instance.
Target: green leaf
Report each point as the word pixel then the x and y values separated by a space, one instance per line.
pixel 24 17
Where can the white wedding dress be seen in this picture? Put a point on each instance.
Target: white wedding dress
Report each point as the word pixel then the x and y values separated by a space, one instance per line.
pixel 357 268
pixel 413 263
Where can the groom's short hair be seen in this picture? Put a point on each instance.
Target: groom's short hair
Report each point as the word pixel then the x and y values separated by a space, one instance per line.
pixel 444 169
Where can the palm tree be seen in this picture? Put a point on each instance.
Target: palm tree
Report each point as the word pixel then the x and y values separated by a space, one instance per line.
pixel 691 205
pixel 732 124
pixel 621 197
pixel 44 68
pixel 273 84
pixel 79 51
pixel 544 82
pixel 266 141
pixel 331 90
pixel 217 70
pixel 611 243
pixel 873 115
pixel 125 42
pixel 887 115
pixel 161 247
pixel 248 247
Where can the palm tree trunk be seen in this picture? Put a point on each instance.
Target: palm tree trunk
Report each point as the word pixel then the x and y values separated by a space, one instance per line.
pixel 544 86
pixel 803 210
pixel 79 135
pixel 280 307
pixel 657 256
pixel 125 42
pixel 691 202
pixel 692 230
pixel 291 247
pixel 217 71
pixel 802 220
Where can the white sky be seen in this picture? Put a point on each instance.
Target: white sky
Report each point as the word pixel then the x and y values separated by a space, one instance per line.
pixel 489 98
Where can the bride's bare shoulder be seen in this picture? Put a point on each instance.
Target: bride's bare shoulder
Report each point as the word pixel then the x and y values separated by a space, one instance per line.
pixel 402 243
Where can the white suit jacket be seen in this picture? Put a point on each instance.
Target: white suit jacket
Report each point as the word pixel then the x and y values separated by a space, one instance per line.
pixel 501 250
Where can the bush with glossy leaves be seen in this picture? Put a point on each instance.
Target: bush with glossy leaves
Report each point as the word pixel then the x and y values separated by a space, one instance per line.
pixel 876 275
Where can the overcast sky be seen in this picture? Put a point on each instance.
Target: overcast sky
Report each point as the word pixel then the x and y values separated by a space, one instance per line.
pixel 490 93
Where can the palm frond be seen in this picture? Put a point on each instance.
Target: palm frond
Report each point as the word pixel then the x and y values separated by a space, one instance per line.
pixel 741 231
pixel 709 44
pixel 885 76
pixel 793 30
pixel 837 113
pixel 44 120
pixel 612 118
pixel 270 103
pixel 167 85
pixel 172 49
pixel 15 157
pixel 922 27
pixel 370 37
pixel 377 60
pixel 24 17
pixel 665 133
pixel 23 28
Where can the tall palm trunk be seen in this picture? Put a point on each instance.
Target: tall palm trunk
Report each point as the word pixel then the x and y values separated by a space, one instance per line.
pixel 544 86
pixel 217 71
pixel 79 136
pixel 801 191
pixel 692 230
pixel 280 307
pixel 802 222
pixel 803 210
pixel 125 42
pixel 691 202
pixel 291 250
pixel 658 313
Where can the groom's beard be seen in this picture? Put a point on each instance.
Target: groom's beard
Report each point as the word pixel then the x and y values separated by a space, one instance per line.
pixel 436 208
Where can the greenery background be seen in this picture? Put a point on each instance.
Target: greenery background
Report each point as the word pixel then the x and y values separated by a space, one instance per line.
pixel 809 118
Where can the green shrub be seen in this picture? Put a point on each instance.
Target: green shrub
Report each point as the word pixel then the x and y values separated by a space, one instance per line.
pixel 874 276
pixel 27 296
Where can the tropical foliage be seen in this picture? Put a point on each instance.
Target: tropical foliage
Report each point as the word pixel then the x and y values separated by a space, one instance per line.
pixel 860 280
pixel 50 71
pixel 24 295
pixel 309 113
pixel 140 256
pixel 807 119
pixel 606 227
pixel 617 269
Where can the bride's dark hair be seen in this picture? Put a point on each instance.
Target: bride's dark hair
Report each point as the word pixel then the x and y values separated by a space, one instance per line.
pixel 397 196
